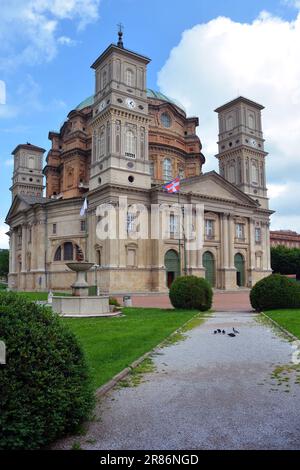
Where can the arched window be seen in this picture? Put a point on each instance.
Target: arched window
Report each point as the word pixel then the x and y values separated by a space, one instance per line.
pixel 251 121
pixel 101 151
pixel 231 174
pixel 167 169
pixel 108 138
pixel 104 79
pixel 165 119
pixel 31 163
pixel 68 251
pixel 130 144
pixel 151 167
pixel 142 143
pixel 255 173
pixel 181 173
pixel 57 256
pixel 129 77
pixel 229 123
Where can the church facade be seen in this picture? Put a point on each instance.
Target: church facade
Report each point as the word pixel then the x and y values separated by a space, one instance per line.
pixel 124 143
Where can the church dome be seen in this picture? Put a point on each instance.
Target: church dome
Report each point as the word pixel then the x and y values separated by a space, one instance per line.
pixel 152 94
pixel 157 95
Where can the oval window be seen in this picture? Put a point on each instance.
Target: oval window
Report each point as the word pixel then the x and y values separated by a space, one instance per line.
pixel 165 120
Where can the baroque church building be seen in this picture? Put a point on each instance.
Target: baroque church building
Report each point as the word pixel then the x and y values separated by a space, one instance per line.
pixel 126 140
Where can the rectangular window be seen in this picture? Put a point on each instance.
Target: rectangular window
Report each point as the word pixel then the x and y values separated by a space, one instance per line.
pixel 173 224
pixel 29 235
pixel 257 235
pixel 130 222
pixel 240 231
pixel 83 225
pixel 151 167
pixel 131 255
pixel 209 228
pixel 54 229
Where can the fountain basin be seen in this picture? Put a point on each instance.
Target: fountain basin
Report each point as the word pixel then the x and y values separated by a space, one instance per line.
pixel 79 266
pixel 81 306
pixel 80 288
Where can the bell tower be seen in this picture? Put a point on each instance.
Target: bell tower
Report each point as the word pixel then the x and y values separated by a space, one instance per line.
pixel 28 170
pixel 241 148
pixel 120 119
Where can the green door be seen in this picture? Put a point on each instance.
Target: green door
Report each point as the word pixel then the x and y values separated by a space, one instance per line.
pixel 209 266
pixel 239 264
pixel 172 266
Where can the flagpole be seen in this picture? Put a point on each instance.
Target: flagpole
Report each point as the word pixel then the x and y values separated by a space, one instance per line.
pixel 179 239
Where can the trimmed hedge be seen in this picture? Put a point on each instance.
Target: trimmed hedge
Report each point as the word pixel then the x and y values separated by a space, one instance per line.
pixel 275 292
pixel 191 292
pixel 45 386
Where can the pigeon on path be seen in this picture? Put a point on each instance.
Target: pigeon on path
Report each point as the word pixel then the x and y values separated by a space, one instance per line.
pixel 235 331
pixel 232 335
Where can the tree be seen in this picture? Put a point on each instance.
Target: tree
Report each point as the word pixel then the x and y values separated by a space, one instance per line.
pixel 285 260
pixel 4 262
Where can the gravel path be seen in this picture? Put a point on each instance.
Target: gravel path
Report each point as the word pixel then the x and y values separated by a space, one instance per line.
pixel 207 392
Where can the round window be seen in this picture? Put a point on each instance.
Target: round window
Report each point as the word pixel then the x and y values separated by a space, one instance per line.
pixel 165 119
pixel 131 179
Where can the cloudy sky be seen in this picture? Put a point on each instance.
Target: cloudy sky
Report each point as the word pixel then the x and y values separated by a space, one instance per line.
pixel 204 53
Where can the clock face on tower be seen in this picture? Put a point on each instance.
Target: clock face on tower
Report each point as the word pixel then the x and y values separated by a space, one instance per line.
pixel 253 143
pixel 102 105
pixel 130 103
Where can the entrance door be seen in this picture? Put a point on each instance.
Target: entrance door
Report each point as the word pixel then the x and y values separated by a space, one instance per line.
pixel 209 266
pixel 172 266
pixel 239 264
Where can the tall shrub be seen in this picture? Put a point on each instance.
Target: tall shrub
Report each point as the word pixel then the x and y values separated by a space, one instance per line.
pixel 45 385
pixel 191 292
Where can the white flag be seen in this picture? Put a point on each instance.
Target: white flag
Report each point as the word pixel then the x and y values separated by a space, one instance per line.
pixel 83 208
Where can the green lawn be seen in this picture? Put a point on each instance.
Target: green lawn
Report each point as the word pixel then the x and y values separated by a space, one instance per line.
pixel 111 344
pixel 288 319
pixel 39 295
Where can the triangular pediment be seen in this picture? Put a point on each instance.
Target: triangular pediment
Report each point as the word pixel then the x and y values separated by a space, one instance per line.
pixel 18 205
pixel 215 186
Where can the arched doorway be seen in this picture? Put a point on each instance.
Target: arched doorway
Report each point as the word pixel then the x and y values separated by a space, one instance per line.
pixel 172 266
pixel 239 264
pixel 210 268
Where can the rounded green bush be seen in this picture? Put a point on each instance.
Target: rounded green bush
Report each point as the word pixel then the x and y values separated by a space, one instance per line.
pixel 45 387
pixel 275 292
pixel 191 292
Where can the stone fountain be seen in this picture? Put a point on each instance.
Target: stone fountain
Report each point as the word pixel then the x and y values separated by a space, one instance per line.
pixel 80 303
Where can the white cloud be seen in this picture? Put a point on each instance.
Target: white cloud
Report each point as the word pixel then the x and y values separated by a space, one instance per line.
pixel 219 60
pixel 3 237
pixel 66 41
pixel 9 162
pixel 28 28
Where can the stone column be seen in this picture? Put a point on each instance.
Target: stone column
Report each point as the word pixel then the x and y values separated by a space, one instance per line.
pixel 252 243
pixel 24 245
pixel 231 238
pixel 267 252
pixel 224 240
pixel 12 266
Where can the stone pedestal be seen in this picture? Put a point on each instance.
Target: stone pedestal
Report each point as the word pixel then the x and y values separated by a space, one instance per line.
pixel 81 306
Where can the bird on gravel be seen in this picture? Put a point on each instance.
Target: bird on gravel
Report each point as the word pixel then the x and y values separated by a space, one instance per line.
pixel 215 332
pixel 219 331
pixel 224 332
pixel 232 335
pixel 235 331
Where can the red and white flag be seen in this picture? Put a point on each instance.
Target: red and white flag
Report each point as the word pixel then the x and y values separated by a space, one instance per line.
pixel 173 186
